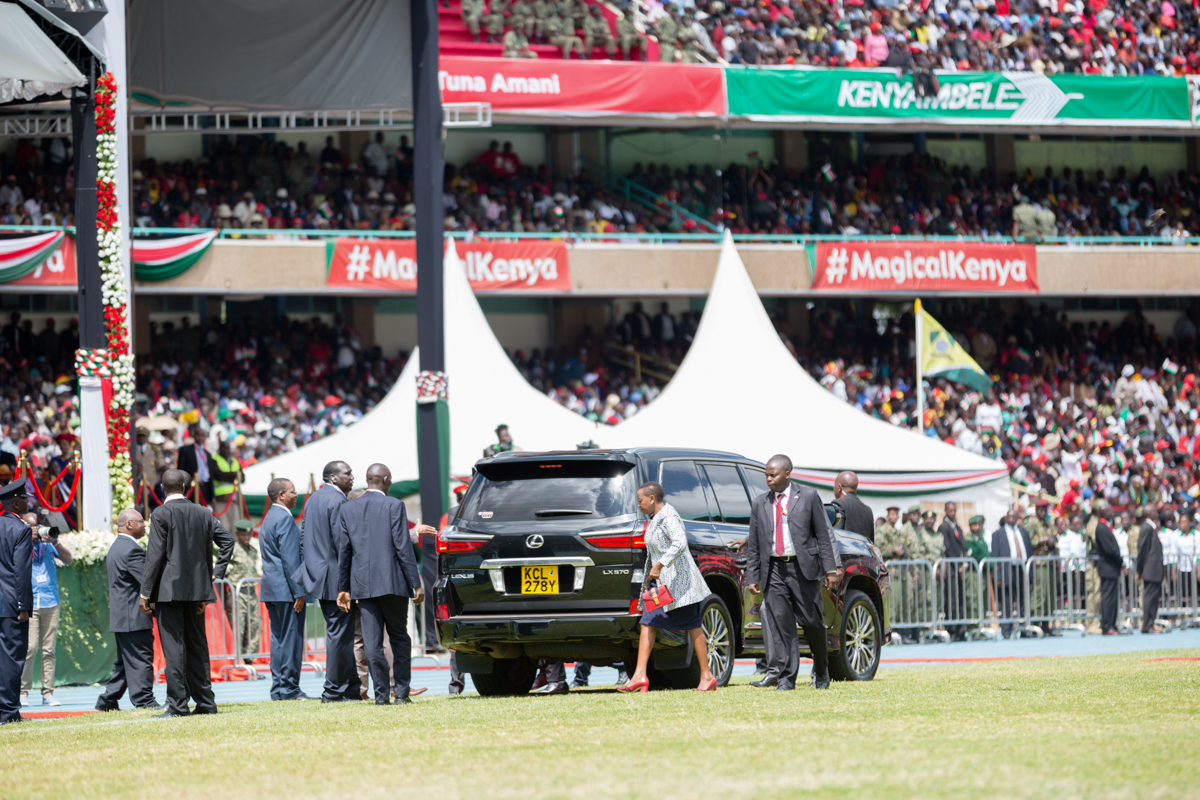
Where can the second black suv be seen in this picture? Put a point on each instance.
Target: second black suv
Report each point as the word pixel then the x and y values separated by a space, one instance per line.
pixel 544 560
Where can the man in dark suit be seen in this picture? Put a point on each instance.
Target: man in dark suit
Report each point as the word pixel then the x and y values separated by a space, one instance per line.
pixel 1150 568
pixel 133 631
pixel 857 516
pixel 377 568
pixel 16 597
pixel 197 462
pixel 279 543
pixel 176 586
pixel 1010 540
pixel 1110 568
pixel 953 576
pixel 789 551
pixel 318 575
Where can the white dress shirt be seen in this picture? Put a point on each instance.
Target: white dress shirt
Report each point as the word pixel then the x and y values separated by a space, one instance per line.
pixel 1070 545
pixel 1016 544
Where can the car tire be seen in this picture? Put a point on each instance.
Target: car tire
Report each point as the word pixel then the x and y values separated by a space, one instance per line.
pixel 722 643
pixel 509 677
pixel 861 638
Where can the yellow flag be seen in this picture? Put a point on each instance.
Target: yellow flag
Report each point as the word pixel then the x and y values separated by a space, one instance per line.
pixel 943 357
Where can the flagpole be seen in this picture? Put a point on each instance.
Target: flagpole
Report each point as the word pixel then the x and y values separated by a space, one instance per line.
pixel 920 394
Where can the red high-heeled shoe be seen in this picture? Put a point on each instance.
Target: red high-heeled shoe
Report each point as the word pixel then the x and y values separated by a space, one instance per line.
pixel 711 686
pixel 635 686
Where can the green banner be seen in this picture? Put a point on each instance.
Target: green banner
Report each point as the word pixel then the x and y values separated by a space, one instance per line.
pixel 880 97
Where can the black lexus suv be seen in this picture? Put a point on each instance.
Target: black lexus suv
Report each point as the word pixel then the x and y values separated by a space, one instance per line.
pixel 544 559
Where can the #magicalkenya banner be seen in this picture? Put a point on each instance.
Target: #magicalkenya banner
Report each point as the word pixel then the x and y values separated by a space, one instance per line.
pixel 925 266
pixel 532 265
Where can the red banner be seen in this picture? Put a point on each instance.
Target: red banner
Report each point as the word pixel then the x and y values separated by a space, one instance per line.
pixel 584 87
pixel 533 265
pixel 925 266
pixel 57 270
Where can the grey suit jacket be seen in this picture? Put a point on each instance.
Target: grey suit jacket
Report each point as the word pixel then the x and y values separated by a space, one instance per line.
pixel 16 566
pixel 375 552
pixel 318 544
pixel 126 563
pixel 179 561
pixel 1150 554
pixel 812 538
pixel 279 543
pixel 858 516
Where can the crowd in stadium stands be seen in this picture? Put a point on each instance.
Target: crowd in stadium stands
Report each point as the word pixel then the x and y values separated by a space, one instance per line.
pixel 272 185
pixel 1078 410
pixel 1094 37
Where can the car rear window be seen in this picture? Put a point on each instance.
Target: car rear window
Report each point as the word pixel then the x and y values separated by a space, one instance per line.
pixel 539 490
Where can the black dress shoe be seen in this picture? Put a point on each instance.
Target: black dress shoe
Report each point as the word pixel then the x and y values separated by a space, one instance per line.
pixel 153 707
pixel 556 687
pixel 334 699
pixel 167 714
pixel 766 680
pixel 100 707
pixel 622 678
pixel 821 682
pixel 579 684
pixel 199 710
pixel 302 696
pixel 782 688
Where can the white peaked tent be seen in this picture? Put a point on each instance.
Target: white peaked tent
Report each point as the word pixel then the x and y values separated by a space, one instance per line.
pixel 740 390
pixel 484 390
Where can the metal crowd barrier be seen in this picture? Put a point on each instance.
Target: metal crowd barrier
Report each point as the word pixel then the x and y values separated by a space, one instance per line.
pixel 913 605
pixel 960 604
pixel 245 598
pixel 1177 608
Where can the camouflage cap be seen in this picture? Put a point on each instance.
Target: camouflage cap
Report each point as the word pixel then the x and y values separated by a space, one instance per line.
pixel 914 509
pixel 977 518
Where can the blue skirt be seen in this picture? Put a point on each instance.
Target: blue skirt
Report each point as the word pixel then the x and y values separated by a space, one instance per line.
pixel 680 618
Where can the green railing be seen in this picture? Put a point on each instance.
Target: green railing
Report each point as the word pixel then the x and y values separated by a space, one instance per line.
pixel 635 192
pixel 616 237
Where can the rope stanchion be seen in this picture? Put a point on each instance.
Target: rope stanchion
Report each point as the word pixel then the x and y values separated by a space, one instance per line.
pixel 61 475
pixel 70 497
pixel 228 503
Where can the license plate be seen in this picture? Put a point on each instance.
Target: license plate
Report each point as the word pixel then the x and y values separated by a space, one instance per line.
pixel 539 580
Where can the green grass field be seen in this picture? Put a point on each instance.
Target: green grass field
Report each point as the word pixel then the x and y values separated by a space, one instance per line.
pixel 1112 726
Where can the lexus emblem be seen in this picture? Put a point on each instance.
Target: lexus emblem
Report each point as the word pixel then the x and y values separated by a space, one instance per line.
pixel 535 541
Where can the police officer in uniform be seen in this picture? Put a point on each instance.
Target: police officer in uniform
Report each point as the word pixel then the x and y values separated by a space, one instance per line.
pixel 16 597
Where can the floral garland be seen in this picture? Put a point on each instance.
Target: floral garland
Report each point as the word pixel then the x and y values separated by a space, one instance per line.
pixel 116 307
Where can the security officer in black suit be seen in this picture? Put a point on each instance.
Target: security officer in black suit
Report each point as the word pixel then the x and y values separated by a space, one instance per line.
pixel 377 567
pixel 16 597
pixel 176 586
pixel 857 516
pixel 1150 568
pixel 953 584
pixel 1110 568
pixel 133 631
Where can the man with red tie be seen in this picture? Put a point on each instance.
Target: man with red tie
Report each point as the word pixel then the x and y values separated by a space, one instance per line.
pixel 789 552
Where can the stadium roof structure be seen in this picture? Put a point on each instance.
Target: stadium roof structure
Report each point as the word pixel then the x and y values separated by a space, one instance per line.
pixel 739 389
pixel 32 66
pixel 484 388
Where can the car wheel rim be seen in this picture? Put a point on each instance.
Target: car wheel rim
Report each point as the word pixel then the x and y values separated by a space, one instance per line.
pixel 716 634
pixel 861 639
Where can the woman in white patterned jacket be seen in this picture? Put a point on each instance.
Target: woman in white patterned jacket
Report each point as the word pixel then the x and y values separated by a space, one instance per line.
pixel 674 568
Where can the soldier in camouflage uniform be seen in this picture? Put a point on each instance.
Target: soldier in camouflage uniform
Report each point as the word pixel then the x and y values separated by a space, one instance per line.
pixel 1043 540
pixel 628 35
pixel 597 32
pixel 542 11
pixel 516 45
pixel 689 40
pixel 886 533
pixel 667 31
pixel 495 20
pixel 561 31
pixel 472 13
pixel 522 19
pixel 246 562
pixel 1092 601
pixel 897 544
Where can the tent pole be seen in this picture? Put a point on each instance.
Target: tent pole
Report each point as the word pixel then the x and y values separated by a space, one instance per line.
pixel 427 179
pixel 920 393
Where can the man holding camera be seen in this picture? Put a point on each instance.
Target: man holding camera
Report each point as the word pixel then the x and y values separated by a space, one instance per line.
pixel 16 597
pixel 43 619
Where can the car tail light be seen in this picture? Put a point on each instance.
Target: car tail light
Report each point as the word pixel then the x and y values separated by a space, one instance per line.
pixel 441 611
pixel 452 542
pixel 620 541
pixel 633 609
